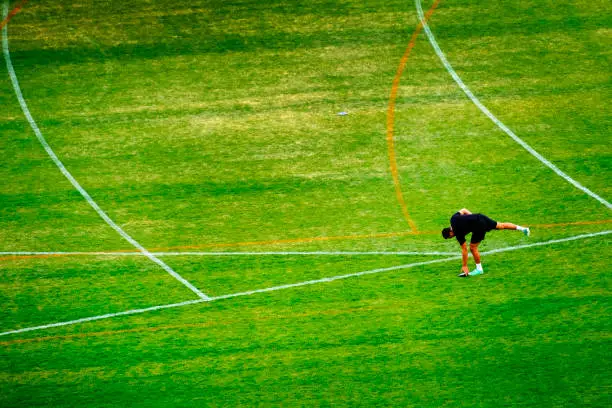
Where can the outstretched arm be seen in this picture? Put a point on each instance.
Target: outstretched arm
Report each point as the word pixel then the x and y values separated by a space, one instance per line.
pixel 464 258
pixel 464 211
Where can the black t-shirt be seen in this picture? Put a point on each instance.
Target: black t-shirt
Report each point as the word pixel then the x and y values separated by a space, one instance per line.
pixel 477 224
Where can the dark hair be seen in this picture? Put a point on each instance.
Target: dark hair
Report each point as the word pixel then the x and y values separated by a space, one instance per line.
pixel 446 233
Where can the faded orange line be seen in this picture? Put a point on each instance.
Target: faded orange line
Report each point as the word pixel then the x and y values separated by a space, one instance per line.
pixel 296 240
pixel 10 15
pixel 16 257
pixel 567 224
pixel 236 244
pixel 391 118
pixel 289 241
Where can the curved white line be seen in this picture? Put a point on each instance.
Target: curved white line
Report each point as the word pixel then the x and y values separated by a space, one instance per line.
pixel 294 285
pixel 488 113
pixel 66 173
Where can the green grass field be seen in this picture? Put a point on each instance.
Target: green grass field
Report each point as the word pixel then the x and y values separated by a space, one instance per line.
pixel 213 126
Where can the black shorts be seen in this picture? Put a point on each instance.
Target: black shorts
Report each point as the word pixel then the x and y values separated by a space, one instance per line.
pixel 486 225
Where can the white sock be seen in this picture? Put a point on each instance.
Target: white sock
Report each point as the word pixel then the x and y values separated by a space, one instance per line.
pixel 479 266
pixel 518 227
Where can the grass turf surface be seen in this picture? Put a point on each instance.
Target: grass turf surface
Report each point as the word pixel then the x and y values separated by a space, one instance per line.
pixel 213 125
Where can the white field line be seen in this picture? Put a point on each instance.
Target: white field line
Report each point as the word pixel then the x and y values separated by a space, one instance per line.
pixel 252 292
pixel 393 268
pixel 333 278
pixel 490 115
pixel 305 283
pixel 65 172
pixel 278 253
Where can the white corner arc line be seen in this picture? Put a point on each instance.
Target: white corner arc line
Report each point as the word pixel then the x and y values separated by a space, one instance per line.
pixel 66 173
pixel 294 285
pixel 490 115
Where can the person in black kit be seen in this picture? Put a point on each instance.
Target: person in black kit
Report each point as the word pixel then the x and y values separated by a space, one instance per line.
pixel 464 222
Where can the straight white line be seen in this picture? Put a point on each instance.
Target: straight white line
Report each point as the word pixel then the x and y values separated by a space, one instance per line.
pixel 306 253
pixel 66 173
pixel 333 278
pixel 279 253
pixel 274 288
pixel 393 268
pixel 490 115
pixel 553 241
pixel 294 285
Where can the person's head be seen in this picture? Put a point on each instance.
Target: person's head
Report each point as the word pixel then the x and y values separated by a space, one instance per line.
pixel 447 233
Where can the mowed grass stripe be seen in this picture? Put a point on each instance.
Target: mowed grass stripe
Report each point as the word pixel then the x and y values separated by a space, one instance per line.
pixel 493 118
pixel 24 255
pixel 227 186
pixel 171 195
pixel 68 175
pixel 535 324
pixel 391 118
pixel 36 291
pixel 11 255
pixel 298 284
pixel 12 13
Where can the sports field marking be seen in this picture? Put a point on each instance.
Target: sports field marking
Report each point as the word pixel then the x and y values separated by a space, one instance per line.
pixel 12 255
pixel 305 283
pixel 568 224
pixel 19 255
pixel 7 16
pixel 490 115
pixel 391 119
pixel 66 173
pixel 298 240
pixel 347 237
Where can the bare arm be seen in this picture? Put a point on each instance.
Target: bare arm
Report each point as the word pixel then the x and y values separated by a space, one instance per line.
pixel 464 211
pixel 464 258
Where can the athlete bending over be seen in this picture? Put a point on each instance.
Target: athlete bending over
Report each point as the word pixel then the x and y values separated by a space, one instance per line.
pixel 464 222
